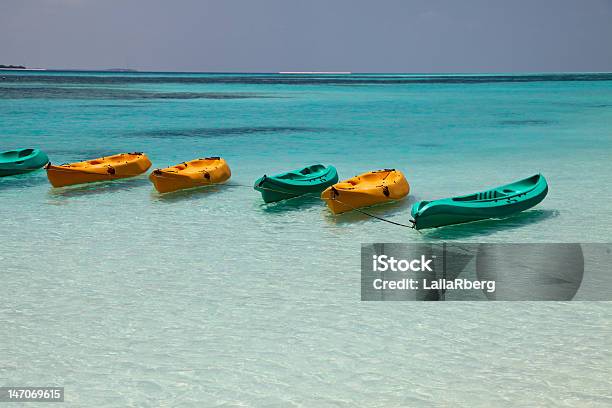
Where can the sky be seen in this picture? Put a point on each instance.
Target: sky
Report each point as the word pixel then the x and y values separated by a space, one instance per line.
pixel 434 36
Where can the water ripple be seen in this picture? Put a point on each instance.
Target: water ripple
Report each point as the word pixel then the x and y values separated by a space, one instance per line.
pixel 221 132
pixel 296 79
pixel 92 93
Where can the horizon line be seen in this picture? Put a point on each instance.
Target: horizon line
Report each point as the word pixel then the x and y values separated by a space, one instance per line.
pixel 229 72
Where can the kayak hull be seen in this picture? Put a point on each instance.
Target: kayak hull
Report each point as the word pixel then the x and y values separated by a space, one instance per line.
pixel 498 202
pixel 191 174
pixel 107 168
pixel 308 180
pixel 21 161
pixel 367 189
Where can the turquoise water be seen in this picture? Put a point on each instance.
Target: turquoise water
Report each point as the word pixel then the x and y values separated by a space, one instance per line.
pixel 211 298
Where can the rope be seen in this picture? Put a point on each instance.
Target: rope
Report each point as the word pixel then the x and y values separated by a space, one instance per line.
pixel 350 206
pixel 335 199
pixel 374 216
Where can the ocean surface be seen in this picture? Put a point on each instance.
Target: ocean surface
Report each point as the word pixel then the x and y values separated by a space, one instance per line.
pixel 211 298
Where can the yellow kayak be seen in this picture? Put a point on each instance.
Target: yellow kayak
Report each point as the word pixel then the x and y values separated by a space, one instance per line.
pixel 194 173
pixel 374 187
pixel 102 169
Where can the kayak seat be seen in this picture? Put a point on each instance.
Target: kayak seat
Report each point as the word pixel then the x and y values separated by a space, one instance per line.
pixel 10 154
pixel 315 168
pixel 347 184
pixel 422 204
pixel 467 198
pixel 26 152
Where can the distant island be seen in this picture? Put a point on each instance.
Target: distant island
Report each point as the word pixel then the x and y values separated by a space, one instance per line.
pixel 120 70
pixel 19 67
pixel 12 67
pixel 2 66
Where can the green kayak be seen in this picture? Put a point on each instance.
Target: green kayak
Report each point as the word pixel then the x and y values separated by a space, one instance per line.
pixel 311 179
pixel 494 203
pixel 21 161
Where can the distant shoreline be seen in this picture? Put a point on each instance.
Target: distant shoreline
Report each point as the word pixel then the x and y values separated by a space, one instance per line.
pixel 415 74
pixel 22 69
pixel 19 68
pixel 12 66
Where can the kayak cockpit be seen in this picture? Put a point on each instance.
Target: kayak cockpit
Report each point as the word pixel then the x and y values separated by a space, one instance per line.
pixel 16 154
pixel 503 192
pixel 316 170
pixel 484 196
pixel 290 176
pixel 25 153
pixel 421 205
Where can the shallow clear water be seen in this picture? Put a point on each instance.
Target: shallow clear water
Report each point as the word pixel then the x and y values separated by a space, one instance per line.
pixel 209 297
